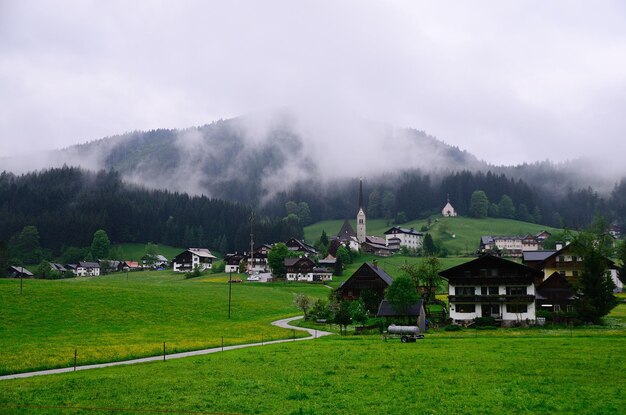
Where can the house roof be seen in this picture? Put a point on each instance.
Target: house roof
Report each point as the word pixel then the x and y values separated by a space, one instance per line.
pixel 385 309
pixel 87 264
pixel 21 270
pixel 301 244
pixel 131 264
pixel 376 269
pixel 487 239
pixel 202 252
pixel 397 229
pixel 490 261
pixel 346 231
pixel 376 240
pixel 57 267
pixel 536 255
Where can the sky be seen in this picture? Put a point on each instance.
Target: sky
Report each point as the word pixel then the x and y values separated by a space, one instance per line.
pixel 511 82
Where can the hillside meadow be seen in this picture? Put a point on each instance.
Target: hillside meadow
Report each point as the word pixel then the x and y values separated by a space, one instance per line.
pixel 459 235
pixel 112 318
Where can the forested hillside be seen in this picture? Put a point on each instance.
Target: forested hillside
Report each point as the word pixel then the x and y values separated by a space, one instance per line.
pixel 68 205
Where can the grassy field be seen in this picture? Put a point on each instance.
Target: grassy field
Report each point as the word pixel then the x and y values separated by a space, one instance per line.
pixel 134 252
pixel 109 318
pixel 466 231
pixel 353 374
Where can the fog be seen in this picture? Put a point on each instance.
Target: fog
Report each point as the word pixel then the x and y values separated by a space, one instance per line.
pixel 509 82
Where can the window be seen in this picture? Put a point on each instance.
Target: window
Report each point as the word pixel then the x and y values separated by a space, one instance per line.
pixel 515 290
pixel 465 308
pixel 464 290
pixel 516 308
pixel 570 308
pixel 488 290
pixel 561 258
pixel 557 308
pixel 575 274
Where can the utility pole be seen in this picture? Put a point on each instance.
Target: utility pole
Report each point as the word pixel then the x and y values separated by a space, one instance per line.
pixel 251 263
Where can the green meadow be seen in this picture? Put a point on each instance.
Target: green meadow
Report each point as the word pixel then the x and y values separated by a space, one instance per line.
pixel 460 235
pixel 113 318
pixel 351 374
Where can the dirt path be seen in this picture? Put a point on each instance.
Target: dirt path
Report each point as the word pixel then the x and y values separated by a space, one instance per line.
pixel 284 323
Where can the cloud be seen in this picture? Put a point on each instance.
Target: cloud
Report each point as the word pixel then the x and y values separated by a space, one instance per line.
pixel 508 81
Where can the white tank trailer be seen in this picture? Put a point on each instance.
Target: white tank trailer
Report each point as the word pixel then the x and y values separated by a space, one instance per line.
pixel 405 333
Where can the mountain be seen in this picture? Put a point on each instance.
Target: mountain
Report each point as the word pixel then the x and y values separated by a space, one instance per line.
pixel 250 158
pixel 266 160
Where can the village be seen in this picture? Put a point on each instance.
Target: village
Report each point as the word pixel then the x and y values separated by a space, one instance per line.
pixel 512 280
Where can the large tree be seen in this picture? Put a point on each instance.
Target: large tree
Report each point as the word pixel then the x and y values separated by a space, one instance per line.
pixel 25 245
pixel 276 259
pixel 402 293
pixel 100 245
pixel 506 209
pixel 479 204
pixel 594 285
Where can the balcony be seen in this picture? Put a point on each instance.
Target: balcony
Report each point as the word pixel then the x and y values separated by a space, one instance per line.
pixel 520 299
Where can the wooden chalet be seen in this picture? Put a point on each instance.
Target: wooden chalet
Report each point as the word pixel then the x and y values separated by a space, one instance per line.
pixel 295 245
pixel 491 286
pixel 87 269
pixel 187 260
pixel 367 277
pixel 304 269
pixel 233 261
pixel 555 294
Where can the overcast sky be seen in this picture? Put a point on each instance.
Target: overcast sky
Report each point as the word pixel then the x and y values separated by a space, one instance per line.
pixel 510 81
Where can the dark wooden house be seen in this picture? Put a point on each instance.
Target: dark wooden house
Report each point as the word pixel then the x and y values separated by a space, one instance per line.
pixel 368 277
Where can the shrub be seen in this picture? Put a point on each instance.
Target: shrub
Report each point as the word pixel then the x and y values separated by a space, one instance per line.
pixel 452 327
pixel 484 321
pixel 196 272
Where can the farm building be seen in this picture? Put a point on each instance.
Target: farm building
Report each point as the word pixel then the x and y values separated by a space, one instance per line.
pixel 368 277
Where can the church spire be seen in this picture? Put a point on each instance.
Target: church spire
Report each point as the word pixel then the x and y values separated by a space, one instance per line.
pixel 360 193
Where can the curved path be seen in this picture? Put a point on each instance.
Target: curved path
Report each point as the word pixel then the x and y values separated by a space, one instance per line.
pixel 284 323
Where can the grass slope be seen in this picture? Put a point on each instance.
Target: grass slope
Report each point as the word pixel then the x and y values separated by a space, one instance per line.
pixel 109 318
pixel 466 231
pixel 134 252
pixel 352 375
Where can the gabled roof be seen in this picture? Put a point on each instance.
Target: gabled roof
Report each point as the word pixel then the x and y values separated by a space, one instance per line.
pixel 489 262
pixel 57 267
pixel 397 229
pixel 531 256
pixel 290 261
pixel 376 269
pixel 202 252
pixel 346 231
pixel 21 270
pixel 376 240
pixel 131 264
pixel 301 244
pixel 487 239
pixel 385 309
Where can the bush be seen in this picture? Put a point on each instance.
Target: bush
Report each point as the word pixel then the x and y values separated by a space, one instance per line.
pixel 196 272
pixel 545 314
pixel 486 328
pixel 219 267
pixel 484 321
pixel 452 327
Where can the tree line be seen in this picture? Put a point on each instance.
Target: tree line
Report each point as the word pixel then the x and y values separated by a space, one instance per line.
pixel 413 195
pixel 62 208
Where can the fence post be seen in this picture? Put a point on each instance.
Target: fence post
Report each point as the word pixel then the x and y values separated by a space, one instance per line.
pixel 74 360
pixel 294 335
pixel 164 351
pixel 222 343
pixel 316 333
pixel 261 339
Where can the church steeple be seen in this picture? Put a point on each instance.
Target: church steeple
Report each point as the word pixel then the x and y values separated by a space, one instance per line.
pixel 360 216
pixel 360 194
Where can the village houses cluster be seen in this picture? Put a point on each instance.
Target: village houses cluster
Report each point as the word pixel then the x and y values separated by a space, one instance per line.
pixel 488 286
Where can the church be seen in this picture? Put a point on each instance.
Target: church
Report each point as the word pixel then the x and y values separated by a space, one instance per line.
pixel 448 210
